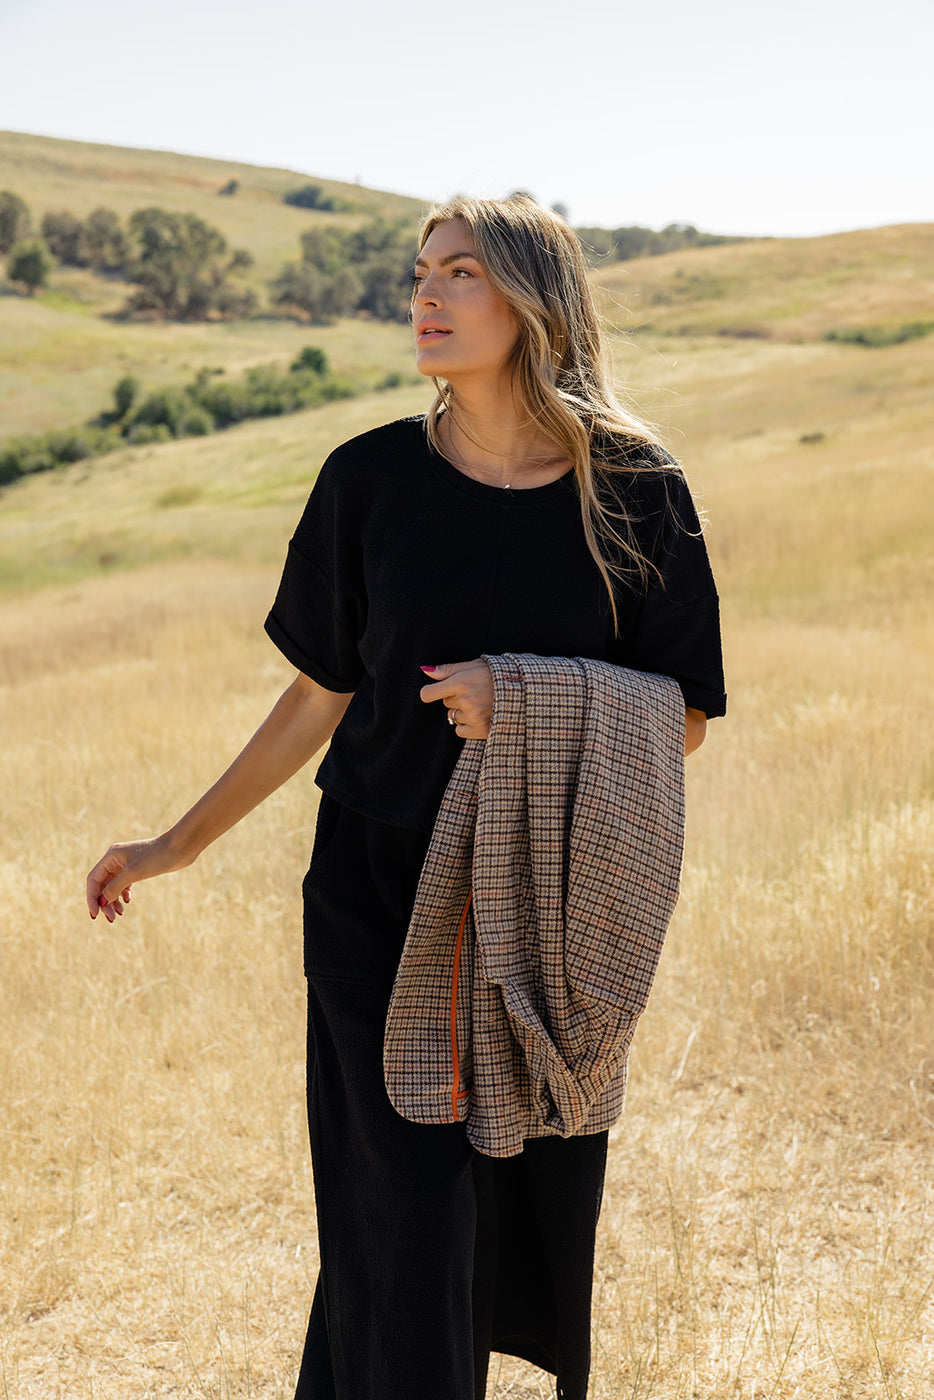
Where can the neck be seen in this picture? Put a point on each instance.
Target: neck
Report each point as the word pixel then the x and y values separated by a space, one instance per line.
pixel 487 436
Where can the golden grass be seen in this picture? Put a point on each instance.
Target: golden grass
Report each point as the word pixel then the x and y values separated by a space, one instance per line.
pixel 59 364
pixel 767 1230
pixel 781 288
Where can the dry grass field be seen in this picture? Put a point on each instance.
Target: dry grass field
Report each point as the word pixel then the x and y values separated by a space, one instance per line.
pixel 768 1230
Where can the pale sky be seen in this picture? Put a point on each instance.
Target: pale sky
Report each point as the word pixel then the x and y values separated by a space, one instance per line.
pixel 808 117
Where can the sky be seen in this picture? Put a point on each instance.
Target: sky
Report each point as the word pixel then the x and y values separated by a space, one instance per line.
pixel 737 116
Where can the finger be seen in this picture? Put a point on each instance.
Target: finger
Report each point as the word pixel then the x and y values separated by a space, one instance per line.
pixel 103 871
pixel 114 891
pixel 450 668
pixel 437 691
pixel 459 689
pixel 472 731
pixel 440 675
pixel 119 882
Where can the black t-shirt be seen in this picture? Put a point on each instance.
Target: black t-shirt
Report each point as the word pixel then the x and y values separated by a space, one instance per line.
pixel 400 560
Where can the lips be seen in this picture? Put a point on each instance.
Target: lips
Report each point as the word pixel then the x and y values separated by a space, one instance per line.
pixel 431 328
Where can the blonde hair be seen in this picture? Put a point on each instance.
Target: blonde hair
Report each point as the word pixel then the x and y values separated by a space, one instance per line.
pixel 559 365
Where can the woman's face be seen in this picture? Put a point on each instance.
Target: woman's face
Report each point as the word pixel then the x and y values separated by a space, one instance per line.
pixel 463 327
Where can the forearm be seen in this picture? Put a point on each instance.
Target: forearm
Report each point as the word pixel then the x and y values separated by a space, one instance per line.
pixel 299 724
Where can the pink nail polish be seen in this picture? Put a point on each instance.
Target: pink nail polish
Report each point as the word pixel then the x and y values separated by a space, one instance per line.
pixel 103 901
pixel 428 669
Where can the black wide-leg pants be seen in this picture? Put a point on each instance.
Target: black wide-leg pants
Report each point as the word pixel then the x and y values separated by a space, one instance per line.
pixel 432 1254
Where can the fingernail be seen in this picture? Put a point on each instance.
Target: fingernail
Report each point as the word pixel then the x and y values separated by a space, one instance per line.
pixel 103 901
pixel 429 669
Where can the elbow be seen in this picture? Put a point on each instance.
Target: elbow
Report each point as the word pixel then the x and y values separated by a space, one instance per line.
pixel 695 729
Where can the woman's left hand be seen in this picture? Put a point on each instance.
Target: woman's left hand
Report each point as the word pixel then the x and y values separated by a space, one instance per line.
pixel 466 687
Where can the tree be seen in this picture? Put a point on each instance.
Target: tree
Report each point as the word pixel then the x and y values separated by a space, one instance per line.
pixel 309 197
pixel 30 263
pixel 325 249
pixel 312 359
pixel 64 237
pixel 126 392
pixel 321 296
pixel 346 270
pixel 15 223
pixel 183 267
pixel 106 245
pixel 387 289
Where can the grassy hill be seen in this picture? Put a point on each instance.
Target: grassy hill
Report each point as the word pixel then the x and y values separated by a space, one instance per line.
pixel 80 176
pixel 766 1229
pixel 794 289
pixel 62 351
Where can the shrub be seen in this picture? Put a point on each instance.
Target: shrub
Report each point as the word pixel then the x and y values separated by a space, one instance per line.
pixel 310 197
pixel 635 241
pixel 64 237
pixel 143 433
pixel 225 403
pixel 30 263
pixel 167 407
pixel 230 188
pixel 313 359
pixel 196 423
pixel 877 337
pixel 193 411
pixel 126 392
pixel 22 456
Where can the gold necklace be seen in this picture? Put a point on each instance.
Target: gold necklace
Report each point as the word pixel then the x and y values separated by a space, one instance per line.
pixel 459 462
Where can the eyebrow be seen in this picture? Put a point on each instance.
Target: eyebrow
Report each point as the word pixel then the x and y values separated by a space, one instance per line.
pixel 451 257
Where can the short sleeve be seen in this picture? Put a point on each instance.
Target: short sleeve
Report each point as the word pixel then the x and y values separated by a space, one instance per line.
pixel 676 626
pixel 320 608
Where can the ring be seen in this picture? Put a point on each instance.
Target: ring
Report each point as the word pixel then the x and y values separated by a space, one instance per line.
pixel 451 719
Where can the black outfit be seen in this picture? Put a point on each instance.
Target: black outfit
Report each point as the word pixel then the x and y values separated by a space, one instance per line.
pixel 432 1255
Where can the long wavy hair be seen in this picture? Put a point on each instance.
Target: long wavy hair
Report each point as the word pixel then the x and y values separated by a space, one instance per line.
pixel 559 366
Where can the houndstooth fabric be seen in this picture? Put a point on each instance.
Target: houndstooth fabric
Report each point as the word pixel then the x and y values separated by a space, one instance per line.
pixel 567 824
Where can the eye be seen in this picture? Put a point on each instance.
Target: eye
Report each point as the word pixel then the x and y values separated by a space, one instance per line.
pixel 417 279
pixel 462 271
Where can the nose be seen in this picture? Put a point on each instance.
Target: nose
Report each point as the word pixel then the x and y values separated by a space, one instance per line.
pixel 425 293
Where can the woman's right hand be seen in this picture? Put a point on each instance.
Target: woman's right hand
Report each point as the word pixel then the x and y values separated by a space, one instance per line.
pixel 110 881
pixel 302 719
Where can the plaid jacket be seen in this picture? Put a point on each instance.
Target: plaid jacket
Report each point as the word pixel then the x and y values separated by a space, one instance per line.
pixel 552 873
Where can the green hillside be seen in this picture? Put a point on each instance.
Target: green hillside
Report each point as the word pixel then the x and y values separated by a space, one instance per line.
pixel 62 350
pixel 51 174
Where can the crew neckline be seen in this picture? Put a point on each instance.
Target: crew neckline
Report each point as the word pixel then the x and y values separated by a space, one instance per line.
pixel 522 496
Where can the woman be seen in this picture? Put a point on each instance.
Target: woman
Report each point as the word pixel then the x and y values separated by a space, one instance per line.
pixel 526 513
